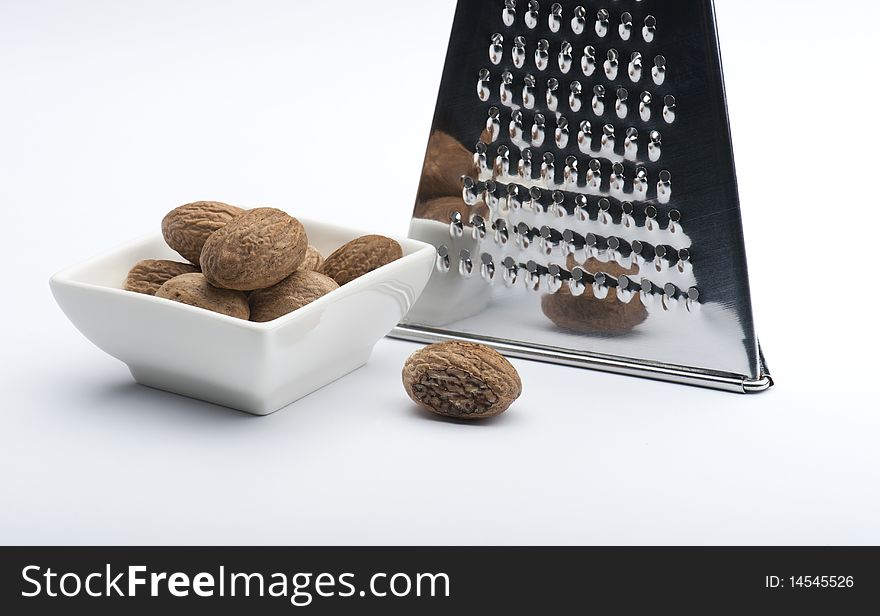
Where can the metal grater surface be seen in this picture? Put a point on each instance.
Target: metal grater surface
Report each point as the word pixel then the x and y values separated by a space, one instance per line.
pixel 579 186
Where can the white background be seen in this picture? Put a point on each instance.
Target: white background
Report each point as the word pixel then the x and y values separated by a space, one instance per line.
pixel 112 113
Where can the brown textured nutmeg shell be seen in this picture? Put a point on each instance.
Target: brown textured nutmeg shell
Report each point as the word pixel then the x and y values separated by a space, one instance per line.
pixel 195 290
pixel 587 314
pixel 312 260
pixel 187 228
pixel 462 380
pixel 360 256
pixel 297 290
pixel 148 275
pixel 256 250
pixel 445 162
pixel 441 209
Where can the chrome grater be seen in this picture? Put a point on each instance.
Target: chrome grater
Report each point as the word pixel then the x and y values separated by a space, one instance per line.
pixel 579 186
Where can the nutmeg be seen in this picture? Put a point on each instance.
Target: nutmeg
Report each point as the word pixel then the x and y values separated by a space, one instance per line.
pixel 445 162
pixel 297 290
pixel 588 314
pixel 187 228
pixel 312 260
pixel 149 275
pixel 462 380
pixel 195 290
pixel 256 250
pixel 442 208
pixel 360 256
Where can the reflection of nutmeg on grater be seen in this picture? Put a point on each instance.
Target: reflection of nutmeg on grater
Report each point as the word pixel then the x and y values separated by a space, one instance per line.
pixel 443 208
pixel 445 162
pixel 588 314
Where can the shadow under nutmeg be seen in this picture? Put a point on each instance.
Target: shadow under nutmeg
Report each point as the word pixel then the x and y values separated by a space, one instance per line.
pixel 423 414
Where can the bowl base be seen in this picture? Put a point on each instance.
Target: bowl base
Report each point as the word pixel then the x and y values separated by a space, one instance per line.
pixel 218 393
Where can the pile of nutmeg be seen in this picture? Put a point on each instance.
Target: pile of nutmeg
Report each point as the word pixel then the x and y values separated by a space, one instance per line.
pixel 251 264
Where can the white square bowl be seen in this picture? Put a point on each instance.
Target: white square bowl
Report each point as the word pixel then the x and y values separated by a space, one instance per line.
pixel 254 367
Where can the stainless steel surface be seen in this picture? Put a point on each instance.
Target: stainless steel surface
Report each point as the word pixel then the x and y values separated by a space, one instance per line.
pixel 735 383
pixel 593 169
